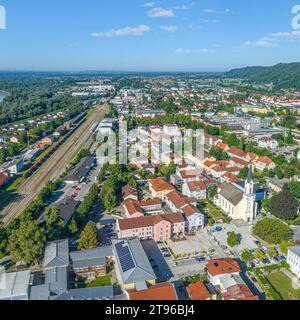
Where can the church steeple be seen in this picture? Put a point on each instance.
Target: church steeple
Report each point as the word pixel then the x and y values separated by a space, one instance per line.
pixel 250 175
pixel 249 183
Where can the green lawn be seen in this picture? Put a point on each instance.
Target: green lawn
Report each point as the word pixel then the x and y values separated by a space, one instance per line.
pixel 283 285
pixel 100 282
pixel 214 212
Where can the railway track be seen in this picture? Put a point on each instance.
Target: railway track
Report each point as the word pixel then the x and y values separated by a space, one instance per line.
pixel 52 168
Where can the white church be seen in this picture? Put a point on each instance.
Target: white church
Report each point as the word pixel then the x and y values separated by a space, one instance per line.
pixel 239 200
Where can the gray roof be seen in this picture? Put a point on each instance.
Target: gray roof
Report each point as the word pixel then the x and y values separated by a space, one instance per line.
pixel 56 254
pixel 99 293
pixel 295 250
pixel 133 266
pixel 91 257
pixel 66 208
pixel 231 193
pixel 81 170
pixel 14 286
pixel 56 283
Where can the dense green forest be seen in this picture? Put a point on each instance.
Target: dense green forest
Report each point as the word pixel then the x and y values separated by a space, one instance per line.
pixel 29 97
pixel 283 75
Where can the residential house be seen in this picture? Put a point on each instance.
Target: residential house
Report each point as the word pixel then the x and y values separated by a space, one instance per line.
pixel 276 185
pixel 237 153
pixel 134 209
pixel 198 291
pixel 187 206
pixel 129 193
pixel 224 275
pixel 263 163
pixel 267 142
pixel 91 263
pixel 157 227
pixel 197 190
pixel 159 188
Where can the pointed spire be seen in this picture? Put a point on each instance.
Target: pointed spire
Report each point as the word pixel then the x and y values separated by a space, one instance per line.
pixel 250 174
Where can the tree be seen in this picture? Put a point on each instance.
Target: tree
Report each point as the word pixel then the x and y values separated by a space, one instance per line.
pixel 233 240
pixel 259 255
pixel 294 188
pixel 290 139
pixel 266 203
pixel 26 244
pixel 272 230
pixel 284 205
pixel 54 224
pixel 243 173
pixel 212 192
pixel 73 227
pixel 278 172
pixel 218 153
pixel 88 237
pixel 271 253
pixel 283 247
pixel 247 257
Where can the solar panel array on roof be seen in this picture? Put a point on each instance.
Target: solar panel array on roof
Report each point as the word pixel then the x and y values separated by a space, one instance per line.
pixel 125 257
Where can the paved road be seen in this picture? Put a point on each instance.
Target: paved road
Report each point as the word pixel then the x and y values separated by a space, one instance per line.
pixel 54 167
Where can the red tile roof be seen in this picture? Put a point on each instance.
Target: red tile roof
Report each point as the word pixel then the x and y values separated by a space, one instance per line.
pixel 221 145
pixel 196 186
pixel 237 152
pixel 222 266
pixel 239 292
pixel 189 210
pixel 198 291
pixel 160 184
pixel 159 292
pixel 149 221
pixel 265 160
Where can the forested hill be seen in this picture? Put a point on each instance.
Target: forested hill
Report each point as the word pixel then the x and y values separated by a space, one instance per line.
pixel 283 75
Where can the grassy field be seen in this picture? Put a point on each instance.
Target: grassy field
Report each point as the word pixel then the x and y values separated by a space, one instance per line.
pixel 283 285
pixel 100 282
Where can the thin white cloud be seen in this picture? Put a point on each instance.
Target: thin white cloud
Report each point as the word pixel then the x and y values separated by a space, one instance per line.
pixel 149 4
pixel 264 42
pixel 227 11
pixel 286 35
pixel 161 13
pixel 191 51
pixel 273 40
pixel 182 7
pixel 127 31
pixel 211 20
pixel 208 10
pixel 170 29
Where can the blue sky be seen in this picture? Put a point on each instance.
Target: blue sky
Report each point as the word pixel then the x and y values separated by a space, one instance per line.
pixel 136 35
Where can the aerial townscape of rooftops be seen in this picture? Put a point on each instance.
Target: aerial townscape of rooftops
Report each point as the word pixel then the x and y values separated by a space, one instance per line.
pixel 151 186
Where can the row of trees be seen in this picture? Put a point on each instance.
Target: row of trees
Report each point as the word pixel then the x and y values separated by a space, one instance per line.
pixel 24 238
pixel 84 209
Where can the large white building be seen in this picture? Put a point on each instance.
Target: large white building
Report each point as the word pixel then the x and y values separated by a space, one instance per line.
pixel 238 200
pixel 293 259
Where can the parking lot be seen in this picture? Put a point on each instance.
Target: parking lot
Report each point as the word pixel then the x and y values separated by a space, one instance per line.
pixel 247 240
pixel 199 244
